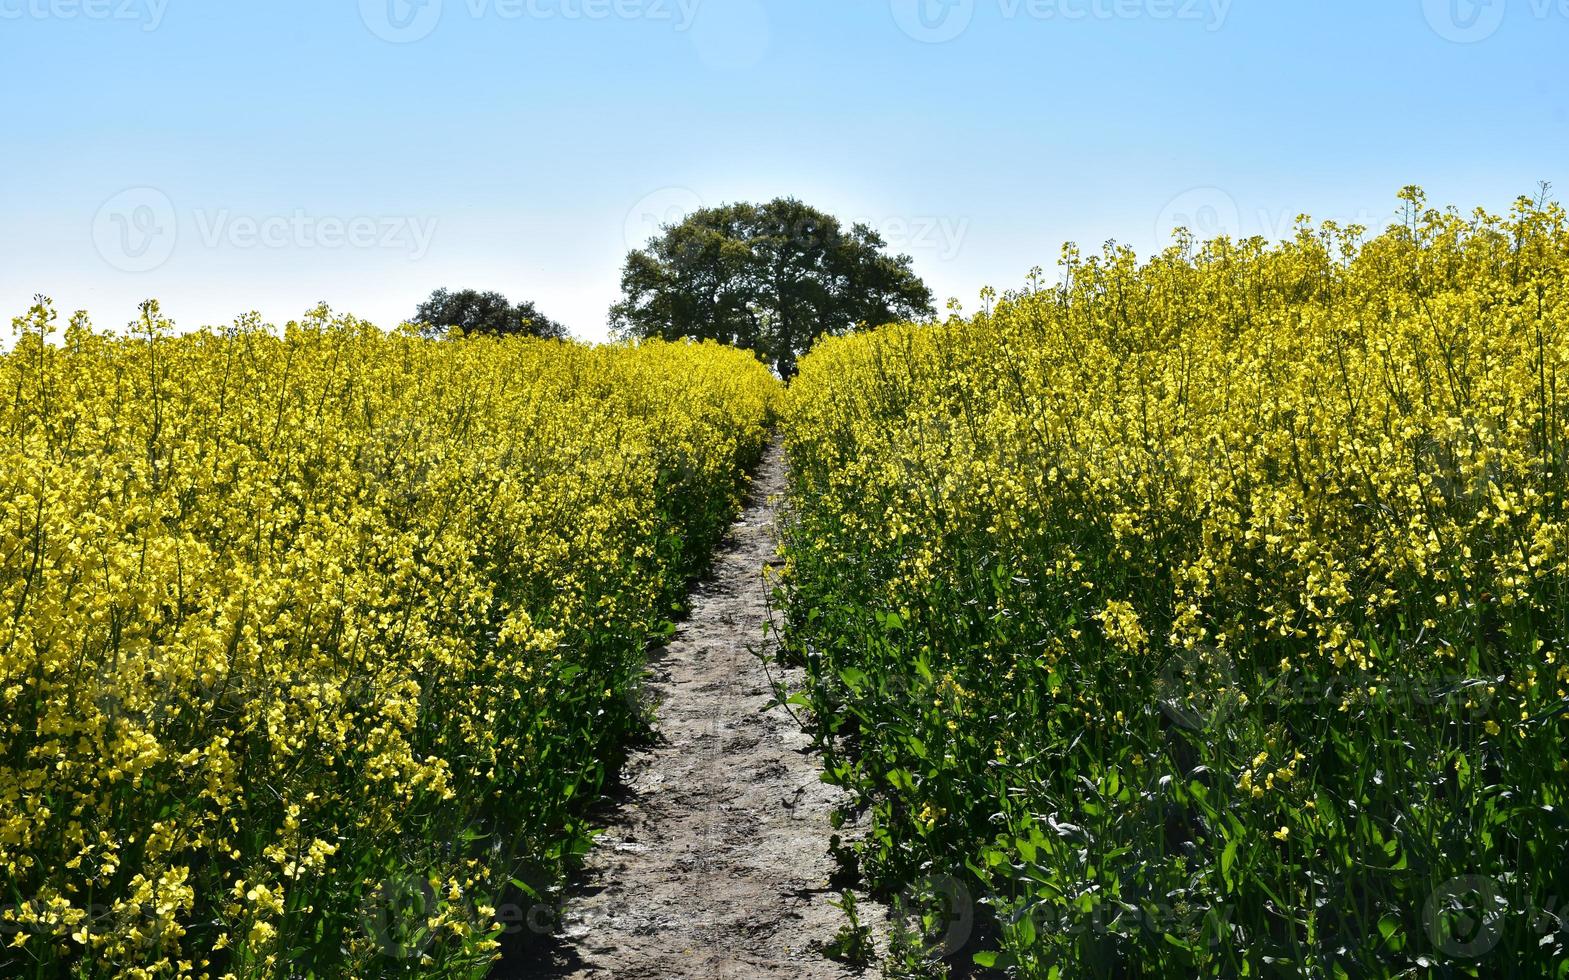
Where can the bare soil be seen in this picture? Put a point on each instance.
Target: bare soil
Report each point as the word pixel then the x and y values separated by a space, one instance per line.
pixel 714 863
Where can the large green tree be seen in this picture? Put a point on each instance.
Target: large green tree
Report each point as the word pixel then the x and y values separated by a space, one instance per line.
pixel 473 311
pixel 770 277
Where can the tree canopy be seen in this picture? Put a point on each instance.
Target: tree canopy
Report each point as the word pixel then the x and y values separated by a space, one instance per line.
pixel 473 311
pixel 769 277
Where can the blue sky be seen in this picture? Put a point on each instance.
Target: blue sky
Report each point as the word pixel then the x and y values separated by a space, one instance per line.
pixel 234 155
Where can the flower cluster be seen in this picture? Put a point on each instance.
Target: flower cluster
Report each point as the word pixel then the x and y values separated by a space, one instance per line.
pixel 315 642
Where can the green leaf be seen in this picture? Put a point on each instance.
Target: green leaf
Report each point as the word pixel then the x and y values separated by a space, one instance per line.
pixel 1181 944
pixel 1387 926
pixel 1228 857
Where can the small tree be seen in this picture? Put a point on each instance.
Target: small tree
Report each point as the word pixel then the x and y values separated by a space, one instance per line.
pixel 473 311
pixel 771 277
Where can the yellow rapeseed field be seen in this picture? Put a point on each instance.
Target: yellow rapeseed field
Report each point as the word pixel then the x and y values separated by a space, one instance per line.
pixel 313 644
pixel 1208 614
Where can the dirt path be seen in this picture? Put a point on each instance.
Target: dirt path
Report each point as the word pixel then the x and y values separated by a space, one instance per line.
pixel 715 860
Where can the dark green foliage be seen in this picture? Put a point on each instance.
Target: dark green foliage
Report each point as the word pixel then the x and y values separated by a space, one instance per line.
pixel 475 312
pixel 771 278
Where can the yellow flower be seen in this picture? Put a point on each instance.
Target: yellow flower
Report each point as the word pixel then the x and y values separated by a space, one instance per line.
pixel 261 933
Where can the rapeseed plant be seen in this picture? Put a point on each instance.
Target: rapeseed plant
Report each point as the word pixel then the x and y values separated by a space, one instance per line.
pixel 1251 561
pixel 314 645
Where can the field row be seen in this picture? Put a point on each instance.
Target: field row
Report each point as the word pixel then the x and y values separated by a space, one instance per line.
pixel 1207 616
pixel 314 646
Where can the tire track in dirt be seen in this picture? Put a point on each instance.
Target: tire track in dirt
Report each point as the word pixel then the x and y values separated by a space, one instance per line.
pixel 714 863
